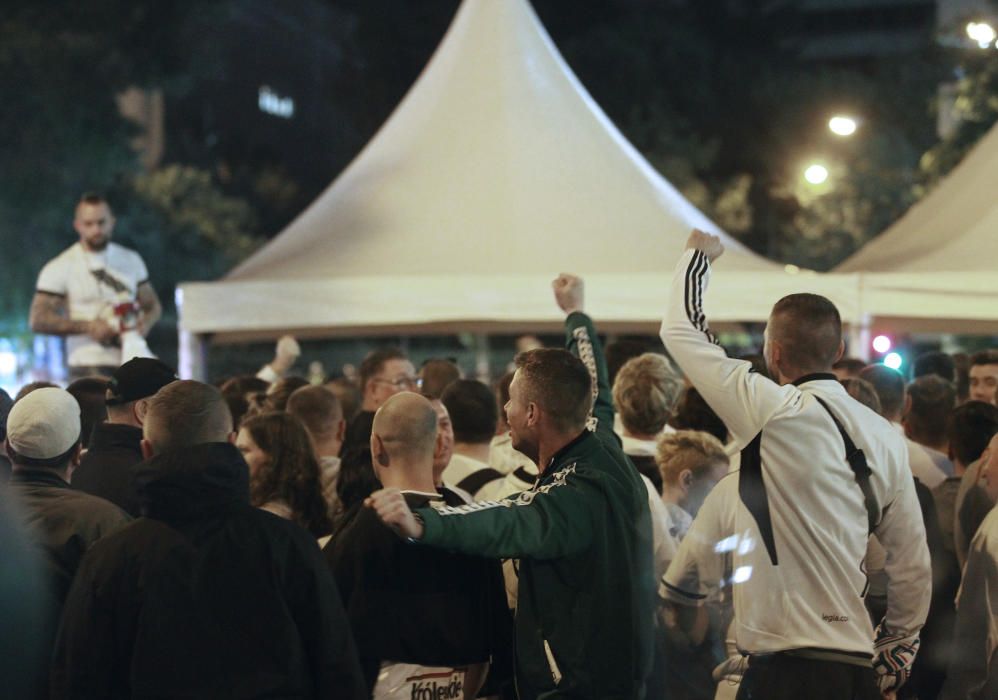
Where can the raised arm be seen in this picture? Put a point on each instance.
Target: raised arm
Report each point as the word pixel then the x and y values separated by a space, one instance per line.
pixel 581 340
pixel 743 399
pixel 286 352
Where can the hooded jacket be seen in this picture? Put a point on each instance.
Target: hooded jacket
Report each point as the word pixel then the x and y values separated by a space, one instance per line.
pixel 205 597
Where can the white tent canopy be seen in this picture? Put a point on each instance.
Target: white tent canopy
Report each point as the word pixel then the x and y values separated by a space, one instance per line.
pixel 496 172
pixel 934 269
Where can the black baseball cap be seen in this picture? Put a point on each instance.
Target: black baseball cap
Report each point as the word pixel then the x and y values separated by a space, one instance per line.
pixel 139 378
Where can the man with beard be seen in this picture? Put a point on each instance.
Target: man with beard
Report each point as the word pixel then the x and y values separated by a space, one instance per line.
pixel 86 291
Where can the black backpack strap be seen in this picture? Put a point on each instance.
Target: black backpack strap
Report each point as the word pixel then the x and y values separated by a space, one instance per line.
pixel 523 475
pixel 476 480
pixel 860 469
pixel 752 492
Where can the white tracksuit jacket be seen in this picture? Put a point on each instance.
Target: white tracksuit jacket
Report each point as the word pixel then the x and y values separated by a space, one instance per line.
pixel 799 577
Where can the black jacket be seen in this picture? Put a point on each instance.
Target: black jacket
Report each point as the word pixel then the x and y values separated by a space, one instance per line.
pixel 107 467
pixel 63 522
pixel 206 597
pixel 418 605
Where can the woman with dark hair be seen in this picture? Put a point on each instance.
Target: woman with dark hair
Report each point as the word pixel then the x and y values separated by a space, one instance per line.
pixel 284 476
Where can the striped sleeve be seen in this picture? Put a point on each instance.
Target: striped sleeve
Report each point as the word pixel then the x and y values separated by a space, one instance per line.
pixel 551 521
pixel 743 399
pixel 694 283
pixel 583 342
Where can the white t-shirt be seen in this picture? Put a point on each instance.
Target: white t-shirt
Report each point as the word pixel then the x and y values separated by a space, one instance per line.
pixel 92 284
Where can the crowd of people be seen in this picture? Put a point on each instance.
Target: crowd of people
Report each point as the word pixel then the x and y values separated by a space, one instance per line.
pixel 636 523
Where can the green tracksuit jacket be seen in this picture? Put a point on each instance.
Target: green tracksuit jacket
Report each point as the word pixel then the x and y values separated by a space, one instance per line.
pixel 583 539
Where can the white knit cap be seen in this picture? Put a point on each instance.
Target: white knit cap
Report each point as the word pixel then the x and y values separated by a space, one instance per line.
pixel 44 424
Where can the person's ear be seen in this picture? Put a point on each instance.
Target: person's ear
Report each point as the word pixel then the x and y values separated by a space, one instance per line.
pixel 840 352
pixel 74 461
pixel 685 480
pixel 907 406
pixel 378 451
pixel 231 438
pixel 776 353
pixel 533 413
pixel 341 430
pixel 139 410
pixel 147 451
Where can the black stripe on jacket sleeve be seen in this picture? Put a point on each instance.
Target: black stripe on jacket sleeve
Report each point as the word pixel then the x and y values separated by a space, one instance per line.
pixel 693 293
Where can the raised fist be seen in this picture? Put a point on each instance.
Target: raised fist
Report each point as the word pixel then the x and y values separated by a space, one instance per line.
pixel 569 292
pixel 711 246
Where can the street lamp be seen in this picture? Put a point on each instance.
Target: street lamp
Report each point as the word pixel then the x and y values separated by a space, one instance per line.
pixel 982 32
pixel 842 125
pixel 816 174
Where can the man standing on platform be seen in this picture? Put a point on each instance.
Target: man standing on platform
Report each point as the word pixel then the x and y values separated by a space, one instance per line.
pixel 97 294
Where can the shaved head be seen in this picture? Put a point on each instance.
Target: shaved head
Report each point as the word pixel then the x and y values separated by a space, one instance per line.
pixel 808 330
pixel 406 424
pixel 184 414
pixel 317 408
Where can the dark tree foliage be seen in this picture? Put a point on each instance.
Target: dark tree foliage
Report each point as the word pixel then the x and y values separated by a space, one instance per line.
pixel 713 92
pixel 62 67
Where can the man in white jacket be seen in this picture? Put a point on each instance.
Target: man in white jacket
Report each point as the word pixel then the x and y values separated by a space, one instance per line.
pixel 819 473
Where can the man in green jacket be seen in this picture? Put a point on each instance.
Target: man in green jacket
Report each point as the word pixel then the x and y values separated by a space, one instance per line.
pixel 582 534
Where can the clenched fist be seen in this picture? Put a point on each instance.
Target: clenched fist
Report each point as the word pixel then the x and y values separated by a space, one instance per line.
pixel 711 246
pixel 569 292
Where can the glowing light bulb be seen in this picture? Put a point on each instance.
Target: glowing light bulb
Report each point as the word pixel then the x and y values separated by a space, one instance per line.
pixel 893 360
pixel 881 343
pixel 982 32
pixel 816 174
pixel 842 125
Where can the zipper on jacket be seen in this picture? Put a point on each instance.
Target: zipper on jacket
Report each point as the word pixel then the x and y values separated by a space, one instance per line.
pixel 552 664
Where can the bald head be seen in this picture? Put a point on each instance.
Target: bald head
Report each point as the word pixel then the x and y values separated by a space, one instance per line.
pixel 186 413
pixel 405 429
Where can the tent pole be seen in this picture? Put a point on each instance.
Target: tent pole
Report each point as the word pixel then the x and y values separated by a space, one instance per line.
pixel 859 338
pixel 482 372
pixel 192 355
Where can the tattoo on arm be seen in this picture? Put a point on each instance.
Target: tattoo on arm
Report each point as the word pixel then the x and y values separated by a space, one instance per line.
pixel 49 315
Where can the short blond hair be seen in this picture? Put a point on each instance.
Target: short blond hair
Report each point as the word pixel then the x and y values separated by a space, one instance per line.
pixel 688 449
pixel 645 392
